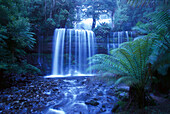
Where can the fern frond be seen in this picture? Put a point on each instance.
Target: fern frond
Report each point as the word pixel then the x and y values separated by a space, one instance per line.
pixel 127 80
pixel 142 2
pixel 160 19
pixel 129 60
pixel 106 63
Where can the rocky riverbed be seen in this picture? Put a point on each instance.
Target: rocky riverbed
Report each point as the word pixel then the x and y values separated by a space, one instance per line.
pixel 80 95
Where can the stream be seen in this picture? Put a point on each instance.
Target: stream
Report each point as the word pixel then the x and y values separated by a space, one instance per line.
pixel 78 95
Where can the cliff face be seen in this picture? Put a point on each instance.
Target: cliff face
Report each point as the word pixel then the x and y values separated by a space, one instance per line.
pixel 41 55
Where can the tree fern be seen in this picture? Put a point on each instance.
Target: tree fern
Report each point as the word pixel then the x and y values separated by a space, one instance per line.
pixel 128 80
pixel 157 28
pixel 129 60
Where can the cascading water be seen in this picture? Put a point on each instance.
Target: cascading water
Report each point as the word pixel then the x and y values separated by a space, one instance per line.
pixel 127 36
pixel 72 48
pixel 58 57
pixel 122 36
pixel 118 38
pixel 86 24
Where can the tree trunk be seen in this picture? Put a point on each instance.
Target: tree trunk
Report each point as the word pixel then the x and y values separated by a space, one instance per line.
pixel 45 10
pixel 51 10
pixel 94 23
pixel 13 58
pixel 137 95
pixel 112 17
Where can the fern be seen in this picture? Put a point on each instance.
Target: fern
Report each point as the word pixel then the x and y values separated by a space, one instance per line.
pixel 128 80
pixel 143 2
pixel 157 29
pixel 129 60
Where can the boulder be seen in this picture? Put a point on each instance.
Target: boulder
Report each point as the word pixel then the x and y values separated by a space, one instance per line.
pixel 92 102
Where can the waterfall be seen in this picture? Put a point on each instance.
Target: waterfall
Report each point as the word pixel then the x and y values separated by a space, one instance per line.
pixel 72 48
pixel 127 36
pixel 120 37
pixel 131 34
pixel 69 34
pixel 108 47
pixel 58 57
pixel 114 46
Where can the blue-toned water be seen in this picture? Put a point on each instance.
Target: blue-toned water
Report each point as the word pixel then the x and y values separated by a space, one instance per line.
pixel 71 50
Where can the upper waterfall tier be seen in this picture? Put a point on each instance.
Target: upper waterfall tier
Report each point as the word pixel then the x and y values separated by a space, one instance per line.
pixel 86 24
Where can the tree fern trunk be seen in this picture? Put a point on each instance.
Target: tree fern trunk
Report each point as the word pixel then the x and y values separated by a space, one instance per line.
pixel 137 95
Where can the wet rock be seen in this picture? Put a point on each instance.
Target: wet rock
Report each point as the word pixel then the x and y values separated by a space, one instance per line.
pixel 114 98
pixel 38 95
pixel 83 96
pixel 103 109
pixel 31 86
pixel 94 109
pixel 50 98
pixel 59 96
pixel 100 93
pixel 77 108
pixel 62 102
pixel 54 84
pixel 123 88
pixel 83 82
pixel 110 92
pixel 55 89
pixel 123 95
pixel 112 87
pixel 1 106
pixel 92 102
pixel 51 103
pixel 47 93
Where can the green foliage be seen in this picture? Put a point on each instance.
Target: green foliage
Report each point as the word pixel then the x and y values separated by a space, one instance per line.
pixel 46 15
pixel 122 103
pixel 157 28
pixel 120 15
pixel 15 38
pixel 102 30
pixel 138 9
pixel 21 68
pixel 110 5
pixel 130 61
pixel 143 2
pixel 131 64
pixel 20 33
pixel 94 9
pixel 63 15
